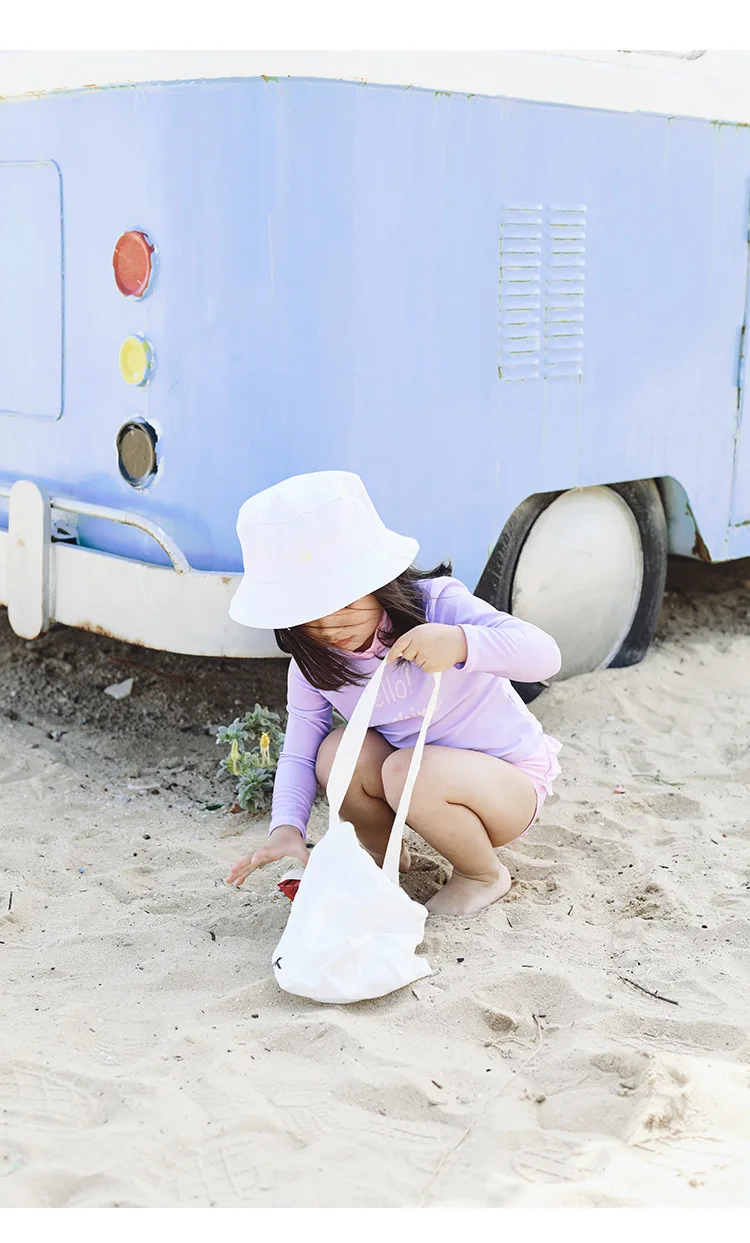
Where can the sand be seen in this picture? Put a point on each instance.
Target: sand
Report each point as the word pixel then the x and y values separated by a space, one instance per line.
pixel 147 1057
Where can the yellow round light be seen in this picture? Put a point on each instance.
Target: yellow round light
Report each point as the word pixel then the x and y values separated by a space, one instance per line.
pixel 136 360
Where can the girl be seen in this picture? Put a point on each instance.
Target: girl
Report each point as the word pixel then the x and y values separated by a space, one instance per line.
pixel 341 592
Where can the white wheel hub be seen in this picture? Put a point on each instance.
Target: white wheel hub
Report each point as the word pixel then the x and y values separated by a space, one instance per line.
pixel 580 576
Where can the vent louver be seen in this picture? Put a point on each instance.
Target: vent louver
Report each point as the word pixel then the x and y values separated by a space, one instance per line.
pixel 541 292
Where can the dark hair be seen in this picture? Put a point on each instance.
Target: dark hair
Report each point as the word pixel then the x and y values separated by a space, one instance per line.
pixel 328 669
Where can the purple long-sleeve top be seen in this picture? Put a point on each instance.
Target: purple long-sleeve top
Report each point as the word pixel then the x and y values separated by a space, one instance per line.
pixel 478 709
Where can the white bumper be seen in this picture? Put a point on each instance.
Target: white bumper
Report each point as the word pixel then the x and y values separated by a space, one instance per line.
pixel 175 609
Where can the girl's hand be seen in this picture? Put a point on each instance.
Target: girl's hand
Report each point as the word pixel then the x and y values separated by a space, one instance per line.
pixel 284 842
pixel 433 647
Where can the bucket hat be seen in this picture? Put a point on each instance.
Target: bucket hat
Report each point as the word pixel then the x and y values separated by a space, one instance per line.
pixel 311 545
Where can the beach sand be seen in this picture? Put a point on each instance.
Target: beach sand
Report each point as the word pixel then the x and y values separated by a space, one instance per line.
pixel 585 1042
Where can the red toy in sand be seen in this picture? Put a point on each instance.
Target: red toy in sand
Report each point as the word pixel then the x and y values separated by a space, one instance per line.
pixel 289 888
pixel 289 883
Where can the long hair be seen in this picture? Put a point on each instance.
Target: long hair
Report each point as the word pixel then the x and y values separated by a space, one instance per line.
pixel 328 669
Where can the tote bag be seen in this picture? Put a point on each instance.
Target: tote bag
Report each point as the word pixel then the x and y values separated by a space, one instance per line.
pixel 353 933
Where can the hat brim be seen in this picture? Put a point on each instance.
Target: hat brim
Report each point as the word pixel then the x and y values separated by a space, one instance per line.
pixel 279 606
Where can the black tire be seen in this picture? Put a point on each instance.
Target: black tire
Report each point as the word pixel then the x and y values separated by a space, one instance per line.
pixel 644 501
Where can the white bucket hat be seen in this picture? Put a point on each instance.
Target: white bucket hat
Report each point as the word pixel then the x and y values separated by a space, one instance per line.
pixel 311 545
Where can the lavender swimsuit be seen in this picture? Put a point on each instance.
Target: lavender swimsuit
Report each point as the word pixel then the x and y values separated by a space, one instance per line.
pixel 478 709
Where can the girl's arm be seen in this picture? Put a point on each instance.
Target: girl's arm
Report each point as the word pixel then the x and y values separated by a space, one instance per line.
pixel 310 717
pixel 496 642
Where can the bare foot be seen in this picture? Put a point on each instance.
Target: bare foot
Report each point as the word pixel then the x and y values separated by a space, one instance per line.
pixel 464 895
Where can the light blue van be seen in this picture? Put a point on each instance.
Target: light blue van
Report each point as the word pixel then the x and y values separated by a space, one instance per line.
pixel 522 323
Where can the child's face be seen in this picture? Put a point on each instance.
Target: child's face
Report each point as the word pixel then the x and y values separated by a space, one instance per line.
pixel 350 629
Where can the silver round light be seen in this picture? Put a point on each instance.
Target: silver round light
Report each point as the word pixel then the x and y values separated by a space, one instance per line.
pixel 136 453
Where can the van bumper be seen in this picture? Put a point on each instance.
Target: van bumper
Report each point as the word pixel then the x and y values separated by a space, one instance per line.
pixel 171 608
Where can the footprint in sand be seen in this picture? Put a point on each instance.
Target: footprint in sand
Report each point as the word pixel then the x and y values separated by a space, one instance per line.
pixel 549 1160
pixel 227 1169
pixel 39 1098
pixel 120 1037
pixel 696 1157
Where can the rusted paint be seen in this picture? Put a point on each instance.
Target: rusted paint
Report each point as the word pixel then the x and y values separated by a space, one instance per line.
pixel 71 90
pixel 102 630
pixel 699 547
pixel 720 125
pixel 92 628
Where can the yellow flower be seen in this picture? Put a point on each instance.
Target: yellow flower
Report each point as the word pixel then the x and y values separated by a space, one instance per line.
pixel 265 746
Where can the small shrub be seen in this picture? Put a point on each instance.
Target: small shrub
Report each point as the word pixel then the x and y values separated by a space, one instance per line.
pixel 255 742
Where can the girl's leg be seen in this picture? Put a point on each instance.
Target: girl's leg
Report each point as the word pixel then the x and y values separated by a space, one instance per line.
pixel 365 805
pixel 465 804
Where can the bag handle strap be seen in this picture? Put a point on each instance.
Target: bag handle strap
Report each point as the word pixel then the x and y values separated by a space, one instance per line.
pixel 347 755
pixel 345 760
pixel 393 849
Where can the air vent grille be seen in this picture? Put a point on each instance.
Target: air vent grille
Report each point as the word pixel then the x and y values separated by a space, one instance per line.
pixel 541 292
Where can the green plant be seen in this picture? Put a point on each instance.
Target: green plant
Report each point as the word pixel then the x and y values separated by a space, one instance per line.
pixel 253 768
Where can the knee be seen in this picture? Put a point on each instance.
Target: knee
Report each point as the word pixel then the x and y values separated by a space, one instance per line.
pixel 374 751
pixel 326 755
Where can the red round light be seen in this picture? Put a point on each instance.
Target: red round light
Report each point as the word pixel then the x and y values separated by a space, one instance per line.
pixel 132 264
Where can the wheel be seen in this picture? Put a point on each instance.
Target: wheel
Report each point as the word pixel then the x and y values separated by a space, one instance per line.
pixel 588 566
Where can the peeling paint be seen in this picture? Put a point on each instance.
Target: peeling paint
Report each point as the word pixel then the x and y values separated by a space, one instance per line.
pixel 699 548
pixel 720 125
pixel 108 634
